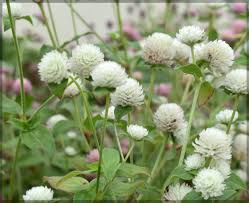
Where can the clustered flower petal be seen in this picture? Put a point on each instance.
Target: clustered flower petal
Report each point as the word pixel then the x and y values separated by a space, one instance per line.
pixel 137 132
pixel 194 161
pixel 177 192
pixel 16 10
pixel 225 116
pixel 84 59
pixel 191 35
pixel 129 94
pixel 53 120
pixel 213 143
pixel 158 49
pixel 182 51
pixel 72 89
pixel 41 193
pixel 222 166
pixel 169 117
pixel 236 81
pixel 108 74
pixel 53 67
pixel 209 182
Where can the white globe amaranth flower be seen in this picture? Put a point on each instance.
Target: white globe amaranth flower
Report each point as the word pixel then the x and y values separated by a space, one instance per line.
pixel 222 166
pixel 243 126
pixel 129 94
pixel 236 81
pixel 16 10
pixel 225 116
pixel 169 117
pixel 53 67
pixel 39 193
pixel 177 192
pixel 219 55
pixel 137 132
pixel 53 120
pixel 240 147
pixel 108 74
pixel 72 89
pixel 214 143
pixel 242 174
pixel 70 151
pixel 209 182
pixel 180 132
pixel 182 51
pixel 158 48
pixel 84 59
pixel 194 161
pixel 72 134
pixel 191 35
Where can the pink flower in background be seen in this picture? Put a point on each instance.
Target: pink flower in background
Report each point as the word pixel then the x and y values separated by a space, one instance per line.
pixel 92 156
pixel 17 84
pixel 131 32
pixel 239 26
pixel 163 89
pixel 239 7
pixel 228 35
pixel 138 75
pixel 5 82
pixel 124 145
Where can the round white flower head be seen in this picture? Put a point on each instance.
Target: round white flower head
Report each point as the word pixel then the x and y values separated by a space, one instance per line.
pixel 158 49
pixel 177 192
pixel 70 151
pixel 129 94
pixel 194 161
pixel 182 51
pixel 213 143
pixel 236 81
pixel 39 193
pixel 191 35
pixel 72 89
pixel 242 174
pixel 243 126
pixel 222 166
pixel 180 132
pixel 72 134
pixel 240 147
pixel 84 59
pixel 219 55
pixel 111 114
pixel 225 116
pixel 137 132
pixel 51 122
pixel 108 74
pixel 16 10
pixel 53 67
pixel 209 182
pixel 169 117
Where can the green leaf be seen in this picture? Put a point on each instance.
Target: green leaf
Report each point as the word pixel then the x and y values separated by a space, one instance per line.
pixel 63 126
pixel 130 170
pixel 206 93
pixel 27 18
pixel 45 49
pixel 9 105
pixel 227 194
pixel 193 195
pixel 212 34
pixel 6 24
pixel 121 111
pixel 39 138
pixel 191 69
pixel 234 182
pixel 58 89
pixel 75 39
pixel 71 185
pixel 110 160
pixel 18 124
pixel 241 60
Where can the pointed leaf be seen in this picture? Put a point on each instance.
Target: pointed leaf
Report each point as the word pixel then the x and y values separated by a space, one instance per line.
pixel 75 39
pixel 206 92
pixel 6 24
pixel 131 170
pixel 121 111
pixel 9 105
pixel 191 69
pixel 27 18
pixel 58 89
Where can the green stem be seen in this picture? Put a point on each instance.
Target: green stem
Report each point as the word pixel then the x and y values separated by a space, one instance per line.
pixel 192 111
pixel 130 150
pixel 47 25
pixel 118 142
pixel 77 112
pixel 186 90
pixel 193 53
pixel 151 89
pixel 73 20
pixel 13 171
pixel 19 62
pixel 53 23
pixel 235 106
pixel 88 111
pixel 107 104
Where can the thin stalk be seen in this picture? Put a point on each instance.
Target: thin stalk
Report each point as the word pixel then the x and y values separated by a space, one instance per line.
pixel 192 111
pixel 88 111
pixel 118 142
pixel 77 112
pixel 130 140
pixel 235 106
pixel 53 23
pixel 107 104
pixel 19 62
pixel 151 86
pixel 130 150
pixel 73 20
pixel 186 90
pixel 47 25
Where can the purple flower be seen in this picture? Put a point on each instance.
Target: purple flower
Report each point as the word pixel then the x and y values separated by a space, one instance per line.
pixel 124 145
pixel 239 26
pixel 17 85
pixel 131 32
pixel 163 89
pixel 92 156
pixel 239 7
pixel 138 75
pixel 228 35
